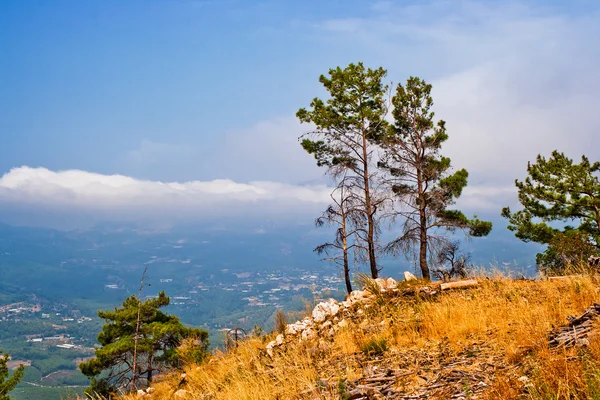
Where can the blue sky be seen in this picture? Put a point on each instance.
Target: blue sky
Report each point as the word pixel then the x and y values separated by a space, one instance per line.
pixel 86 82
pixel 185 90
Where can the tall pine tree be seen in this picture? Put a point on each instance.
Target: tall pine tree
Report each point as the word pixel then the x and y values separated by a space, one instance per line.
pixel 421 178
pixel 347 126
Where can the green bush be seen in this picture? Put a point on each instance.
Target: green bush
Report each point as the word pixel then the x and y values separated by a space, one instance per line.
pixel 374 347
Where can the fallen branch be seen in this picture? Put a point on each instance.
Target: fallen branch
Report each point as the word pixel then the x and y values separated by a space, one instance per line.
pixel 459 284
pixel 563 278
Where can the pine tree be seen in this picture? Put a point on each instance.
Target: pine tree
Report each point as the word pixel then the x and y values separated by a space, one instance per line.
pixel 556 194
pixel 348 125
pixel 7 382
pixel 159 335
pixel 420 177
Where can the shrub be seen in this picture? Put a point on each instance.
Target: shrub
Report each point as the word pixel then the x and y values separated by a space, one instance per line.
pixel 564 251
pixel 374 347
pixel 280 321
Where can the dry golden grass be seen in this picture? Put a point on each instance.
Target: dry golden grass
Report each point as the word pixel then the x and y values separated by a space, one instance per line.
pixel 504 323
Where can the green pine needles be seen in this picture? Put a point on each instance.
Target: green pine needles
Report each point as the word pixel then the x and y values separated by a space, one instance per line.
pixel 8 382
pixel 159 336
pixel 561 208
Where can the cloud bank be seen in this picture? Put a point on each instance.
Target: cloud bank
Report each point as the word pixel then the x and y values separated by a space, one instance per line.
pixel 86 197
pixel 76 192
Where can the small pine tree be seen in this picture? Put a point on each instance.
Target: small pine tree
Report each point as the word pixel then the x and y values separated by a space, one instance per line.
pixel 561 208
pixel 158 337
pixel 8 383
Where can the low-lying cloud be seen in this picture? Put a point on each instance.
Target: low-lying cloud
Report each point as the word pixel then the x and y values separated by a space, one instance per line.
pixel 81 197
pixel 121 197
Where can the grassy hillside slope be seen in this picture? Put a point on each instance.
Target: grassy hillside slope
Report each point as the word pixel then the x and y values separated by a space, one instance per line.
pixel 487 342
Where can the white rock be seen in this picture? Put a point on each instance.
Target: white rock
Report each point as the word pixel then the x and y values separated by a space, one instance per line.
pixel 181 393
pixel 279 340
pixel 325 309
pixel 150 389
pixel 141 393
pixel 271 345
pixel 326 325
pixel 382 283
pixel 319 314
pixel 307 334
pixel 343 323
pixel 357 296
pixel 408 276
pixel 291 329
pixel 386 284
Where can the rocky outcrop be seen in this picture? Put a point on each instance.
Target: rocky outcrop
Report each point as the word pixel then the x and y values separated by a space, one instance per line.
pixel 329 316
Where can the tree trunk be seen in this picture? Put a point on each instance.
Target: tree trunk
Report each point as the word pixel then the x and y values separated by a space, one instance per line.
pixel 422 224
pixel 346 265
pixel 347 272
pixel 149 369
pixel 371 246
pixel 423 245
pixel 369 211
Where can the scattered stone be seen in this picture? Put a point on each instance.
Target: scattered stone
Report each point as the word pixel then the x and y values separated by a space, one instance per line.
pixel 326 309
pixel 328 317
pixel 270 347
pixel 409 277
pixel 308 334
pixel 279 340
pixel 181 393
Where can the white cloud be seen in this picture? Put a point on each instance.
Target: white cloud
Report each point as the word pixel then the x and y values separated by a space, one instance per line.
pixel 150 152
pixel 511 79
pixel 94 197
pixel 268 150
pixel 125 197
pixel 486 199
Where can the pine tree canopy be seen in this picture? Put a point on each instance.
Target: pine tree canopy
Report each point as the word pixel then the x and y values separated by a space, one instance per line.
pixel 159 335
pixel 348 126
pixel 558 197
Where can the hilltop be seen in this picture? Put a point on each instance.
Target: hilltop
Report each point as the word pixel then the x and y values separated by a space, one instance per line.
pixel 501 339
